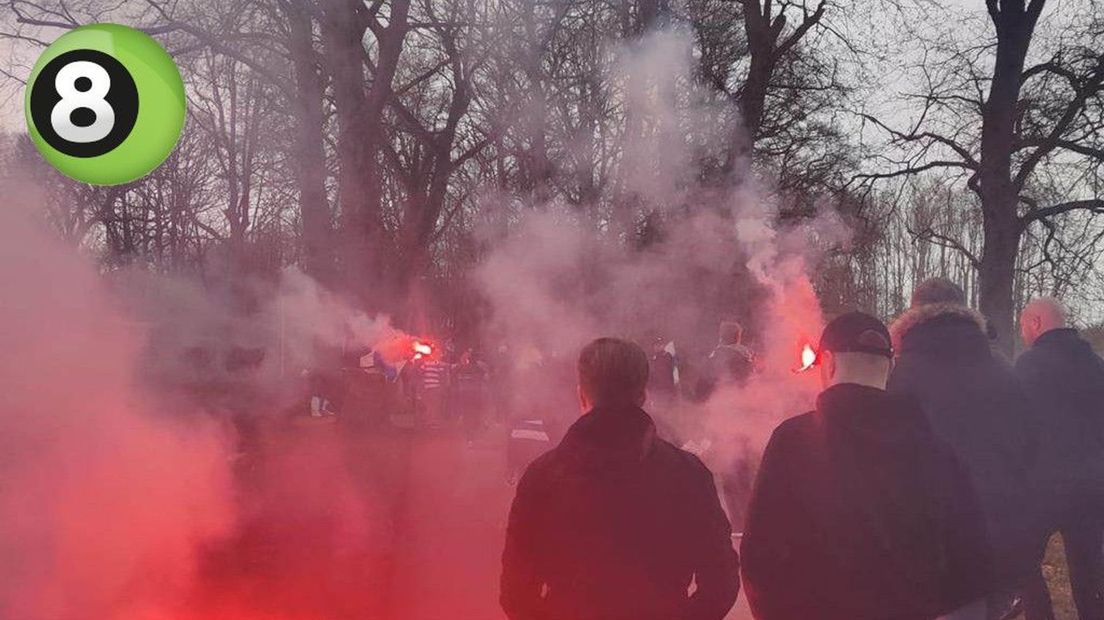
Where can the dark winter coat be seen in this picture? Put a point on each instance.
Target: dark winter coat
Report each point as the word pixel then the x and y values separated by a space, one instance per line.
pixel 1065 380
pixel 860 513
pixel 615 524
pixel 975 404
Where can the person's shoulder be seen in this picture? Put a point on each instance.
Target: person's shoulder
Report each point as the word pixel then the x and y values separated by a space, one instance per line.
pixel 541 468
pixel 667 450
pixel 1029 359
pixel 684 460
pixel 795 429
pixel 794 446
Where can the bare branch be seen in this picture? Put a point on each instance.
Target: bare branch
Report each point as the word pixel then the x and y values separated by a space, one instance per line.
pixel 1094 205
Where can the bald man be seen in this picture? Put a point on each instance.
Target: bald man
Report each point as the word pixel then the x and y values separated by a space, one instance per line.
pixel 1041 315
pixel 1064 379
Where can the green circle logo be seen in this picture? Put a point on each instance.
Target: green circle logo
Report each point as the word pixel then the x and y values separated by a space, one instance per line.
pixel 105 104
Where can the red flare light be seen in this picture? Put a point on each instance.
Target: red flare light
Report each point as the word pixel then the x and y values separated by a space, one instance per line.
pixel 421 350
pixel 808 358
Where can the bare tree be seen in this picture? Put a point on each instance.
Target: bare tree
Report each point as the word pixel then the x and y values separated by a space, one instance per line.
pixel 1017 133
pixel 317 221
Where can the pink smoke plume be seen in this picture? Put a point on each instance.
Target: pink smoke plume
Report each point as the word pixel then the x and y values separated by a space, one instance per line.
pixel 105 504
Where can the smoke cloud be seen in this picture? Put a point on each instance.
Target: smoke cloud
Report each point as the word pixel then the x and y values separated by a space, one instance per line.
pixel 558 279
pixel 105 504
pixel 116 506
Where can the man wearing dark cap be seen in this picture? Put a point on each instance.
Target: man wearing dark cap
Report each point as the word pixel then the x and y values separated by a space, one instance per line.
pixel 616 523
pixel 859 512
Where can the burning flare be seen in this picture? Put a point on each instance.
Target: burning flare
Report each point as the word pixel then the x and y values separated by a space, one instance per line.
pixel 808 358
pixel 421 350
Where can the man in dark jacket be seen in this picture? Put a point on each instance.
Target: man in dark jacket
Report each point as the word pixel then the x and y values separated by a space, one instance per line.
pixel 859 512
pixel 974 403
pixel 1064 378
pixel 615 523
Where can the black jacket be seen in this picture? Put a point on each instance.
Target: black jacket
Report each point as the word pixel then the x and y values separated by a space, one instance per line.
pixel 1065 380
pixel 975 404
pixel 860 513
pixel 615 524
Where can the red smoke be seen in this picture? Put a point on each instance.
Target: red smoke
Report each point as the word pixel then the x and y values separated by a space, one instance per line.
pixel 106 503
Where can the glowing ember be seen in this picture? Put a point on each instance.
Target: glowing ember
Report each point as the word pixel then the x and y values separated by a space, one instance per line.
pixel 808 358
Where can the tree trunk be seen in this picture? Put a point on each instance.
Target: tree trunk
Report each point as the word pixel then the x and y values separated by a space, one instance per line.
pixel 412 286
pixel 537 175
pixel 314 208
pixel 649 14
pixel 996 273
pixel 762 39
pixel 996 188
pixel 358 187
pixel 753 97
pixel 361 132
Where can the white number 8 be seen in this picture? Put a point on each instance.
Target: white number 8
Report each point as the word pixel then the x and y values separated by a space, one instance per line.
pixel 72 99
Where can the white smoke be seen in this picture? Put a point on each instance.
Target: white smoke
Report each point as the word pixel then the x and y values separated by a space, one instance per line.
pixel 557 280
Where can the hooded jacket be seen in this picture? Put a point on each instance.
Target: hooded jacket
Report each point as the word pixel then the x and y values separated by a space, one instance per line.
pixel 860 513
pixel 615 524
pixel 975 404
pixel 1064 378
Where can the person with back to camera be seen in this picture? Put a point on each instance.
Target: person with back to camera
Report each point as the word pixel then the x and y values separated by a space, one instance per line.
pixel 732 361
pixel 615 523
pixel 859 512
pixel 976 405
pixel 662 373
pixel 469 384
pixel 1064 378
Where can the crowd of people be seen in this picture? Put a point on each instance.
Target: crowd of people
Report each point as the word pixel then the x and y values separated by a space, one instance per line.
pixel 925 483
pixel 443 392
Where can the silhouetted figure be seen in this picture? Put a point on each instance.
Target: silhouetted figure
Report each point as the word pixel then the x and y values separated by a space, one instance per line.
pixel 661 378
pixel 433 382
pixel 1065 380
pixel 469 393
pixel 975 404
pixel 615 523
pixel 732 361
pixel 732 364
pixel 859 511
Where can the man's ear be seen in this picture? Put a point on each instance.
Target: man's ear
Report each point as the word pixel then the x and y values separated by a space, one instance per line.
pixel 584 402
pixel 827 366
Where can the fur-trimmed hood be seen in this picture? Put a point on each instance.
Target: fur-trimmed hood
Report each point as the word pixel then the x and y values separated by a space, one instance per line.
pixel 919 315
